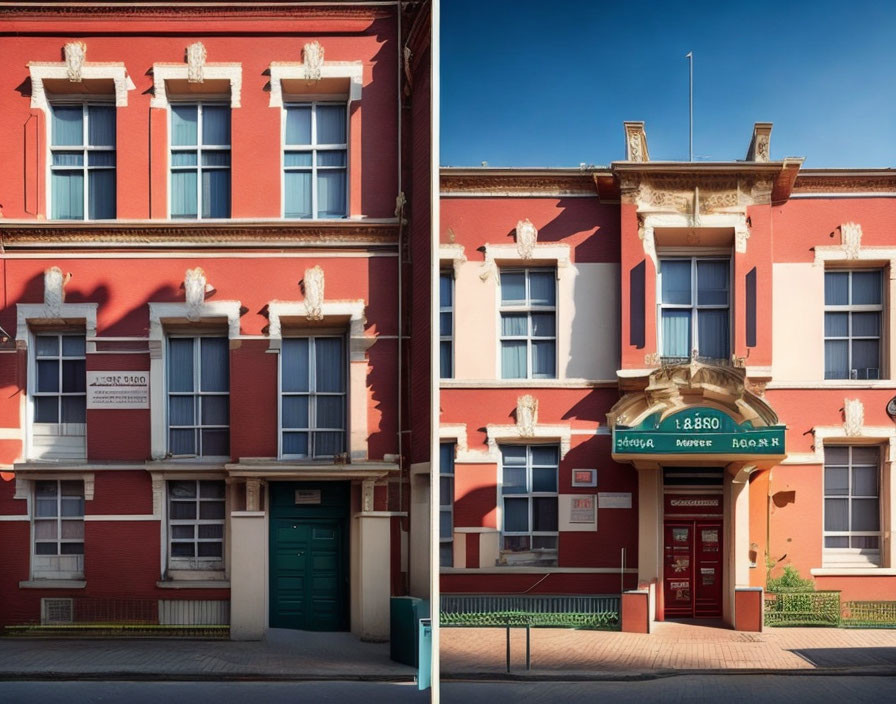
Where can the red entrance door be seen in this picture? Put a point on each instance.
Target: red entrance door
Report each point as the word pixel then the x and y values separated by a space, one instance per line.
pixel 692 574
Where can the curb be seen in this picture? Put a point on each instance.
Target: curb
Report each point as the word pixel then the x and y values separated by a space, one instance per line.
pixel 195 677
pixel 623 676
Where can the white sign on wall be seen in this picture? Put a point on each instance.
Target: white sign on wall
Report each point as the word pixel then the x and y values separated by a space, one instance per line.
pixel 614 499
pixel 116 390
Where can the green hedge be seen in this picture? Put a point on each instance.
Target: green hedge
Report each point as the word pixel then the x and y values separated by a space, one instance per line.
pixel 868 614
pixel 604 621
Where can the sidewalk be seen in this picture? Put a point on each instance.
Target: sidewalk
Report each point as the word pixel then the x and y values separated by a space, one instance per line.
pixel 673 648
pixel 284 655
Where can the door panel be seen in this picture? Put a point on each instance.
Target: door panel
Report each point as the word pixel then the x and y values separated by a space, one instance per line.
pixel 678 566
pixel 708 569
pixel 692 568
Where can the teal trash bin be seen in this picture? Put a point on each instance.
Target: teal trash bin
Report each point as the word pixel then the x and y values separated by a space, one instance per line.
pixel 405 613
pixel 424 669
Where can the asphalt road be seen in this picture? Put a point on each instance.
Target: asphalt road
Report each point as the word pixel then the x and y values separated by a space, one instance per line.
pixel 732 689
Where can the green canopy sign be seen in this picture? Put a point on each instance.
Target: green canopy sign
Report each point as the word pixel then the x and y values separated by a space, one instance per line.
pixel 704 431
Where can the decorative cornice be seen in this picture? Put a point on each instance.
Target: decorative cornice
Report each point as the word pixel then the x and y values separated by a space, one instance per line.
pixel 187 10
pixel 317 234
pixel 846 181
pixel 499 182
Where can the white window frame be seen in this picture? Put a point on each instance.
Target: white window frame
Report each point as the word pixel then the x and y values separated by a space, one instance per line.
pixel 849 309
pixel 446 507
pixel 528 308
pixel 85 149
pixel 544 553
pixel 311 395
pixel 199 149
pixel 196 394
pixel 694 307
pixel 57 566
pixel 849 556
pixel 314 148
pixel 196 562
pixel 449 311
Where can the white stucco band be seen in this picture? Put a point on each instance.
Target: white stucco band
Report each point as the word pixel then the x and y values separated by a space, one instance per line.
pixel 41 71
pixel 737 221
pixel 64 313
pixel 161 314
pixel 230 72
pixel 556 254
pixel 498 434
pixel 280 71
pixel 453 253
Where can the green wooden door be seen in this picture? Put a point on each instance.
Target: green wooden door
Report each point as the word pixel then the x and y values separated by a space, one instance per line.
pixel 308 576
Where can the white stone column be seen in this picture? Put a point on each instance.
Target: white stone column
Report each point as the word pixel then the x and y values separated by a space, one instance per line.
pixel 248 567
pixel 650 523
pixel 737 520
pixel 419 531
pixel 370 587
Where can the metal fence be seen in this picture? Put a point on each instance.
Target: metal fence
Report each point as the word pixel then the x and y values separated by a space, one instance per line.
pixel 529 603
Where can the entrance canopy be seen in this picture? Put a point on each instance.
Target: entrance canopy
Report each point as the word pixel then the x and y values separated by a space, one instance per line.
pixel 695 412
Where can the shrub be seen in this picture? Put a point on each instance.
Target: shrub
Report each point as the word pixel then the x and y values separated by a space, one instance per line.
pixel 789 581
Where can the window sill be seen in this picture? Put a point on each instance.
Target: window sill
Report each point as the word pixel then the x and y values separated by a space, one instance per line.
pixel 853 571
pixel 53 584
pixel 194 584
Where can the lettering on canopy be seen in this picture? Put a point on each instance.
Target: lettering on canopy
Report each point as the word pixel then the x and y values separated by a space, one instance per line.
pixel 705 431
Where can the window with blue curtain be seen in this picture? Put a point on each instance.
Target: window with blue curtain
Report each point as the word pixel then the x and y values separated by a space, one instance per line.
pixel 694 308
pixel 528 324
pixel 200 161
pixel 312 397
pixel 852 516
pixel 446 325
pixel 315 160
pixel 529 499
pixel 199 396
pixel 82 162
pixel 853 308
pixel 446 504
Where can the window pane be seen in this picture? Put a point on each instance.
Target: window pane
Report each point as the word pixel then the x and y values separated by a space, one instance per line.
pixel 516 515
pixel 183 510
pixel 516 543
pixel 330 371
pixel 215 363
pixel 544 542
pixel 866 289
pixel 329 412
pixel 865 455
pixel 68 195
pixel 544 479
pixel 74 376
pixel 211 532
pixel 865 514
pixel 211 510
pixel 328 444
pixel 72 345
pixel 544 513
pixel 47 346
pixel 712 283
pixel 836 359
pixel 46 409
pixel 71 549
pixel 297 194
pixel 542 288
pixel 46 530
pixel 445 290
pixel 210 549
pixel 184 122
pixel 47 375
pixel 712 333
pixel 445 324
pixel 514 480
pixel 216 194
pixel 836 514
pixel 836 288
pixel 182 442
pixel 836 324
pixel 676 333
pixel 335 157
pixel 514 324
pixel 446 555
pixel 295 443
pixel 446 458
pixel 294 360
pixel 68 126
pixel 215 410
pixel 864 481
pixel 445 524
pixel 68 159
pixel 183 194
pixel 101 126
pixel 182 490
pixel 216 125
pixel 331 194
pixel 446 491
pixel 834 454
pixel 72 488
pixel 183 532
pixel 72 506
pixel 99 159
pixel 513 359
pixel 215 443
pixel 211 489
pixel 543 354
pixel 865 324
pixel 189 158
pixel 74 409
pixel 866 359
pixel 513 287
pixel 297 159
pixel 543 324
pixel 544 455
pixel 298 125
pixel 183 550
pixel 46 508
pixel 331 124
pixel 216 158
pixel 513 454
pixel 676 281
pixel 180 364
pixel 295 411
pixel 836 541
pixel 445 361
pixel 180 410
pixel 836 481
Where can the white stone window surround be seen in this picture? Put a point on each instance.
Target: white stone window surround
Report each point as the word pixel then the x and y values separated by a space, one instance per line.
pixel 837 257
pixel 335 312
pixel 650 221
pixel 885 437
pixel 294 70
pixel 41 71
pixel 160 314
pixel 57 317
pixel 232 72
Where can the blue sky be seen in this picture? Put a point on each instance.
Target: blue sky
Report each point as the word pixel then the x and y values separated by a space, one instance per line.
pixel 537 83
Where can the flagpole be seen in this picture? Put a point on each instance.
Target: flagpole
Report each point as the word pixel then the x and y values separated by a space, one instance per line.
pixel 690 58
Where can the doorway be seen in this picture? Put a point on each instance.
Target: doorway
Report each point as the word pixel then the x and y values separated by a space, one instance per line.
pixel 692 568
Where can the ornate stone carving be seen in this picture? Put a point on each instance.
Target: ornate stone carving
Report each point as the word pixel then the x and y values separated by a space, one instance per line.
pixel 652 359
pixel 367 495
pixel 853 417
pixel 645 234
pixel 253 494
pixel 194 287
pixel 762 147
pixel 75 56
pixel 196 55
pixel 400 202
pixel 635 142
pixel 158 492
pixel 314 293
pixel 54 290
pixel 526 237
pixel 851 239
pixel 634 147
pixel 517 184
pixel 526 415
pixel 741 235
pixel 313 59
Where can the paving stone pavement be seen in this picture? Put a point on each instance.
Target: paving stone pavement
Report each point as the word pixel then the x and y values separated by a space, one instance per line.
pixel 282 655
pixel 673 646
